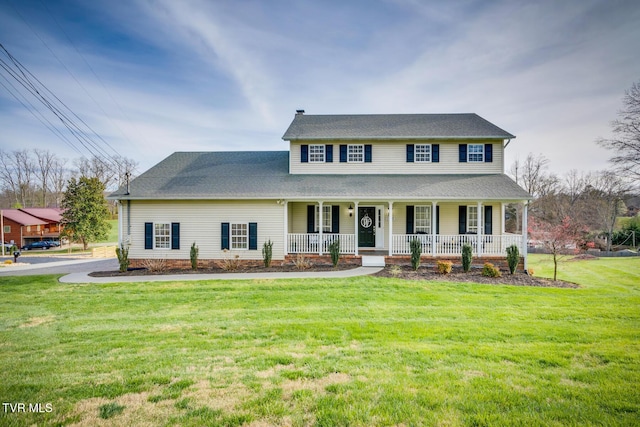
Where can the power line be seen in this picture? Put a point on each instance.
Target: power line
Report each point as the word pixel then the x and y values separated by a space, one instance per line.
pixel 82 132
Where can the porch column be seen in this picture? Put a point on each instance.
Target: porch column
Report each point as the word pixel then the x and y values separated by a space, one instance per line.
pixel 503 218
pixel 320 226
pixel 390 228
pixel 480 226
pixel 286 227
pixel 120 227
pixel 434 225
pixel 355 221
pixel 524 233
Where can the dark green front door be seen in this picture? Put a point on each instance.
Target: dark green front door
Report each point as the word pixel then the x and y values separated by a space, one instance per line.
pixel 367 227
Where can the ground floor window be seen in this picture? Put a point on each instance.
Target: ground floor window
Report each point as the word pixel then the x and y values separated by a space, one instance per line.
pixel 162 235
pixel 423 219
pixel 239 236
pixel 472 219
pixel 326 218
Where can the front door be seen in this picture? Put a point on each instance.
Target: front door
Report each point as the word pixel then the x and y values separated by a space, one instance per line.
pixel 367 227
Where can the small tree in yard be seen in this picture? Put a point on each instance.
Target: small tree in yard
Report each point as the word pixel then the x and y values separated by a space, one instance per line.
pixel 86 212
pixel 513 258
pixel 467 257
pixel 193 256
pixel 558 239
pixel 416 251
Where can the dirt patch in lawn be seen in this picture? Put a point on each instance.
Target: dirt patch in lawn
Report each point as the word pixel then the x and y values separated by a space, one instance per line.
pixel 474 276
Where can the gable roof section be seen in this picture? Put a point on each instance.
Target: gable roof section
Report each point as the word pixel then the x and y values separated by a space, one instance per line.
pixel 52 215
pixel 22 218
pixel 393 126
pixel 265 175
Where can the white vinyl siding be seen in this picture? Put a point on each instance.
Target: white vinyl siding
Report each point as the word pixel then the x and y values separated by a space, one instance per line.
pixel 391 157
pixel 200 223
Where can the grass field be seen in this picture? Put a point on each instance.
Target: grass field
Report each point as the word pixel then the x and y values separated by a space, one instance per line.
pixel 362 351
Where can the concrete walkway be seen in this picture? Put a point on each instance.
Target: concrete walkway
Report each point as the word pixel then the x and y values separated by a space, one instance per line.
pixel 84 277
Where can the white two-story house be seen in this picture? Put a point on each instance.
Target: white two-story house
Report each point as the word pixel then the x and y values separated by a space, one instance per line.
pixel 374 182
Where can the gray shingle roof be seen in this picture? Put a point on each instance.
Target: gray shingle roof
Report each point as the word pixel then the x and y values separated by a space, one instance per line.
pixel 393 126
pixel 265 175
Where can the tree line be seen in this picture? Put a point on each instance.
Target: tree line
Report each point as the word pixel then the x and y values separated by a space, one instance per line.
pixel 39 178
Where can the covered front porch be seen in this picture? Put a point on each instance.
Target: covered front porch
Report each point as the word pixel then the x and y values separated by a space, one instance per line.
pixel 363 227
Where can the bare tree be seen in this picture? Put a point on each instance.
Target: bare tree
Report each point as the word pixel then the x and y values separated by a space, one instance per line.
pixel 45 163
pixel 96 167
pixel 58 179
pixel 17 170
pixel 606 201
pixel 626 141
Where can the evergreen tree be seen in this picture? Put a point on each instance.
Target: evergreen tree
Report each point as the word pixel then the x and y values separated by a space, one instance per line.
pixel 86 214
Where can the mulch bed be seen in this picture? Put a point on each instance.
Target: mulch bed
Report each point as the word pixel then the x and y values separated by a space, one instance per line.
pixel 243 269
pixel 474 275
pixel 425 272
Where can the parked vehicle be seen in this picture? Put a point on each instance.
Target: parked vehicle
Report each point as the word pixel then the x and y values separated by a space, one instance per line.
pixel 53 243
pixel 44 244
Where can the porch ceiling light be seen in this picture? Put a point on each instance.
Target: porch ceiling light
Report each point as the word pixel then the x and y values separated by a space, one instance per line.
pixel 350 210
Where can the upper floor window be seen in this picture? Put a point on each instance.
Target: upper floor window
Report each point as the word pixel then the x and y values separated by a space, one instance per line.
pixel 475 153
pixel 316 153
pixel 355 153
pixel 423 153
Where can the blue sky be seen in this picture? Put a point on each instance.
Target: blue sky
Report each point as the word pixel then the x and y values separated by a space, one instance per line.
pixel 156 76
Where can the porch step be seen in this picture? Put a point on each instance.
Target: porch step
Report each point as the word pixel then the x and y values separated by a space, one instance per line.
pixel 372 261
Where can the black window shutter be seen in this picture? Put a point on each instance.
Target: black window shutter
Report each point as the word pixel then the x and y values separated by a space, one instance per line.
pixel 410 151
pixel 253 236
pixel 462 219
pixel 304 153
pixel 328 153
pixel 488 220
pixel 437 219
pixel 462 151
pixel 311 218
pixel 148 235
pixel 488 153
pixel 175 235
pixel 367 153
pixel 224 236
pixel 410 229
pixel 343 153
pixel 435 153
pixel 335 219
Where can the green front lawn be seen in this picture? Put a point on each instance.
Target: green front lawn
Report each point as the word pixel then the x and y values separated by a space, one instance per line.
pixel 363 351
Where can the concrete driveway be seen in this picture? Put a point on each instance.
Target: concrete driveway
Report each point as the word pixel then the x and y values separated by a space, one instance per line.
pixel 56 265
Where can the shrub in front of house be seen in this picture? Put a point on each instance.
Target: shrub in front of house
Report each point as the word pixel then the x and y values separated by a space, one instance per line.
pixel 193 256
pixel 444 267
pixel 490 270
pixel 513 257
pixel 267 253
pixel 416 251
pixel 122 253
pixel 334 250
pixel 467 257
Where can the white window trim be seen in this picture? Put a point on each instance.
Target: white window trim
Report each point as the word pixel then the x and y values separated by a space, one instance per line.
pixel 469 153
pixel 155 236
pixel 416 153
pixel 472 229
pixel 327 218
pixel 231 236
pixel 427 228
pixel 350 153
pixel 7 229
pixel 321 152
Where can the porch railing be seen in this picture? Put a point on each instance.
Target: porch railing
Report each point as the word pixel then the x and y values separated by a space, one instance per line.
pixel 450 245
pixel 307 243
pixel 445 245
